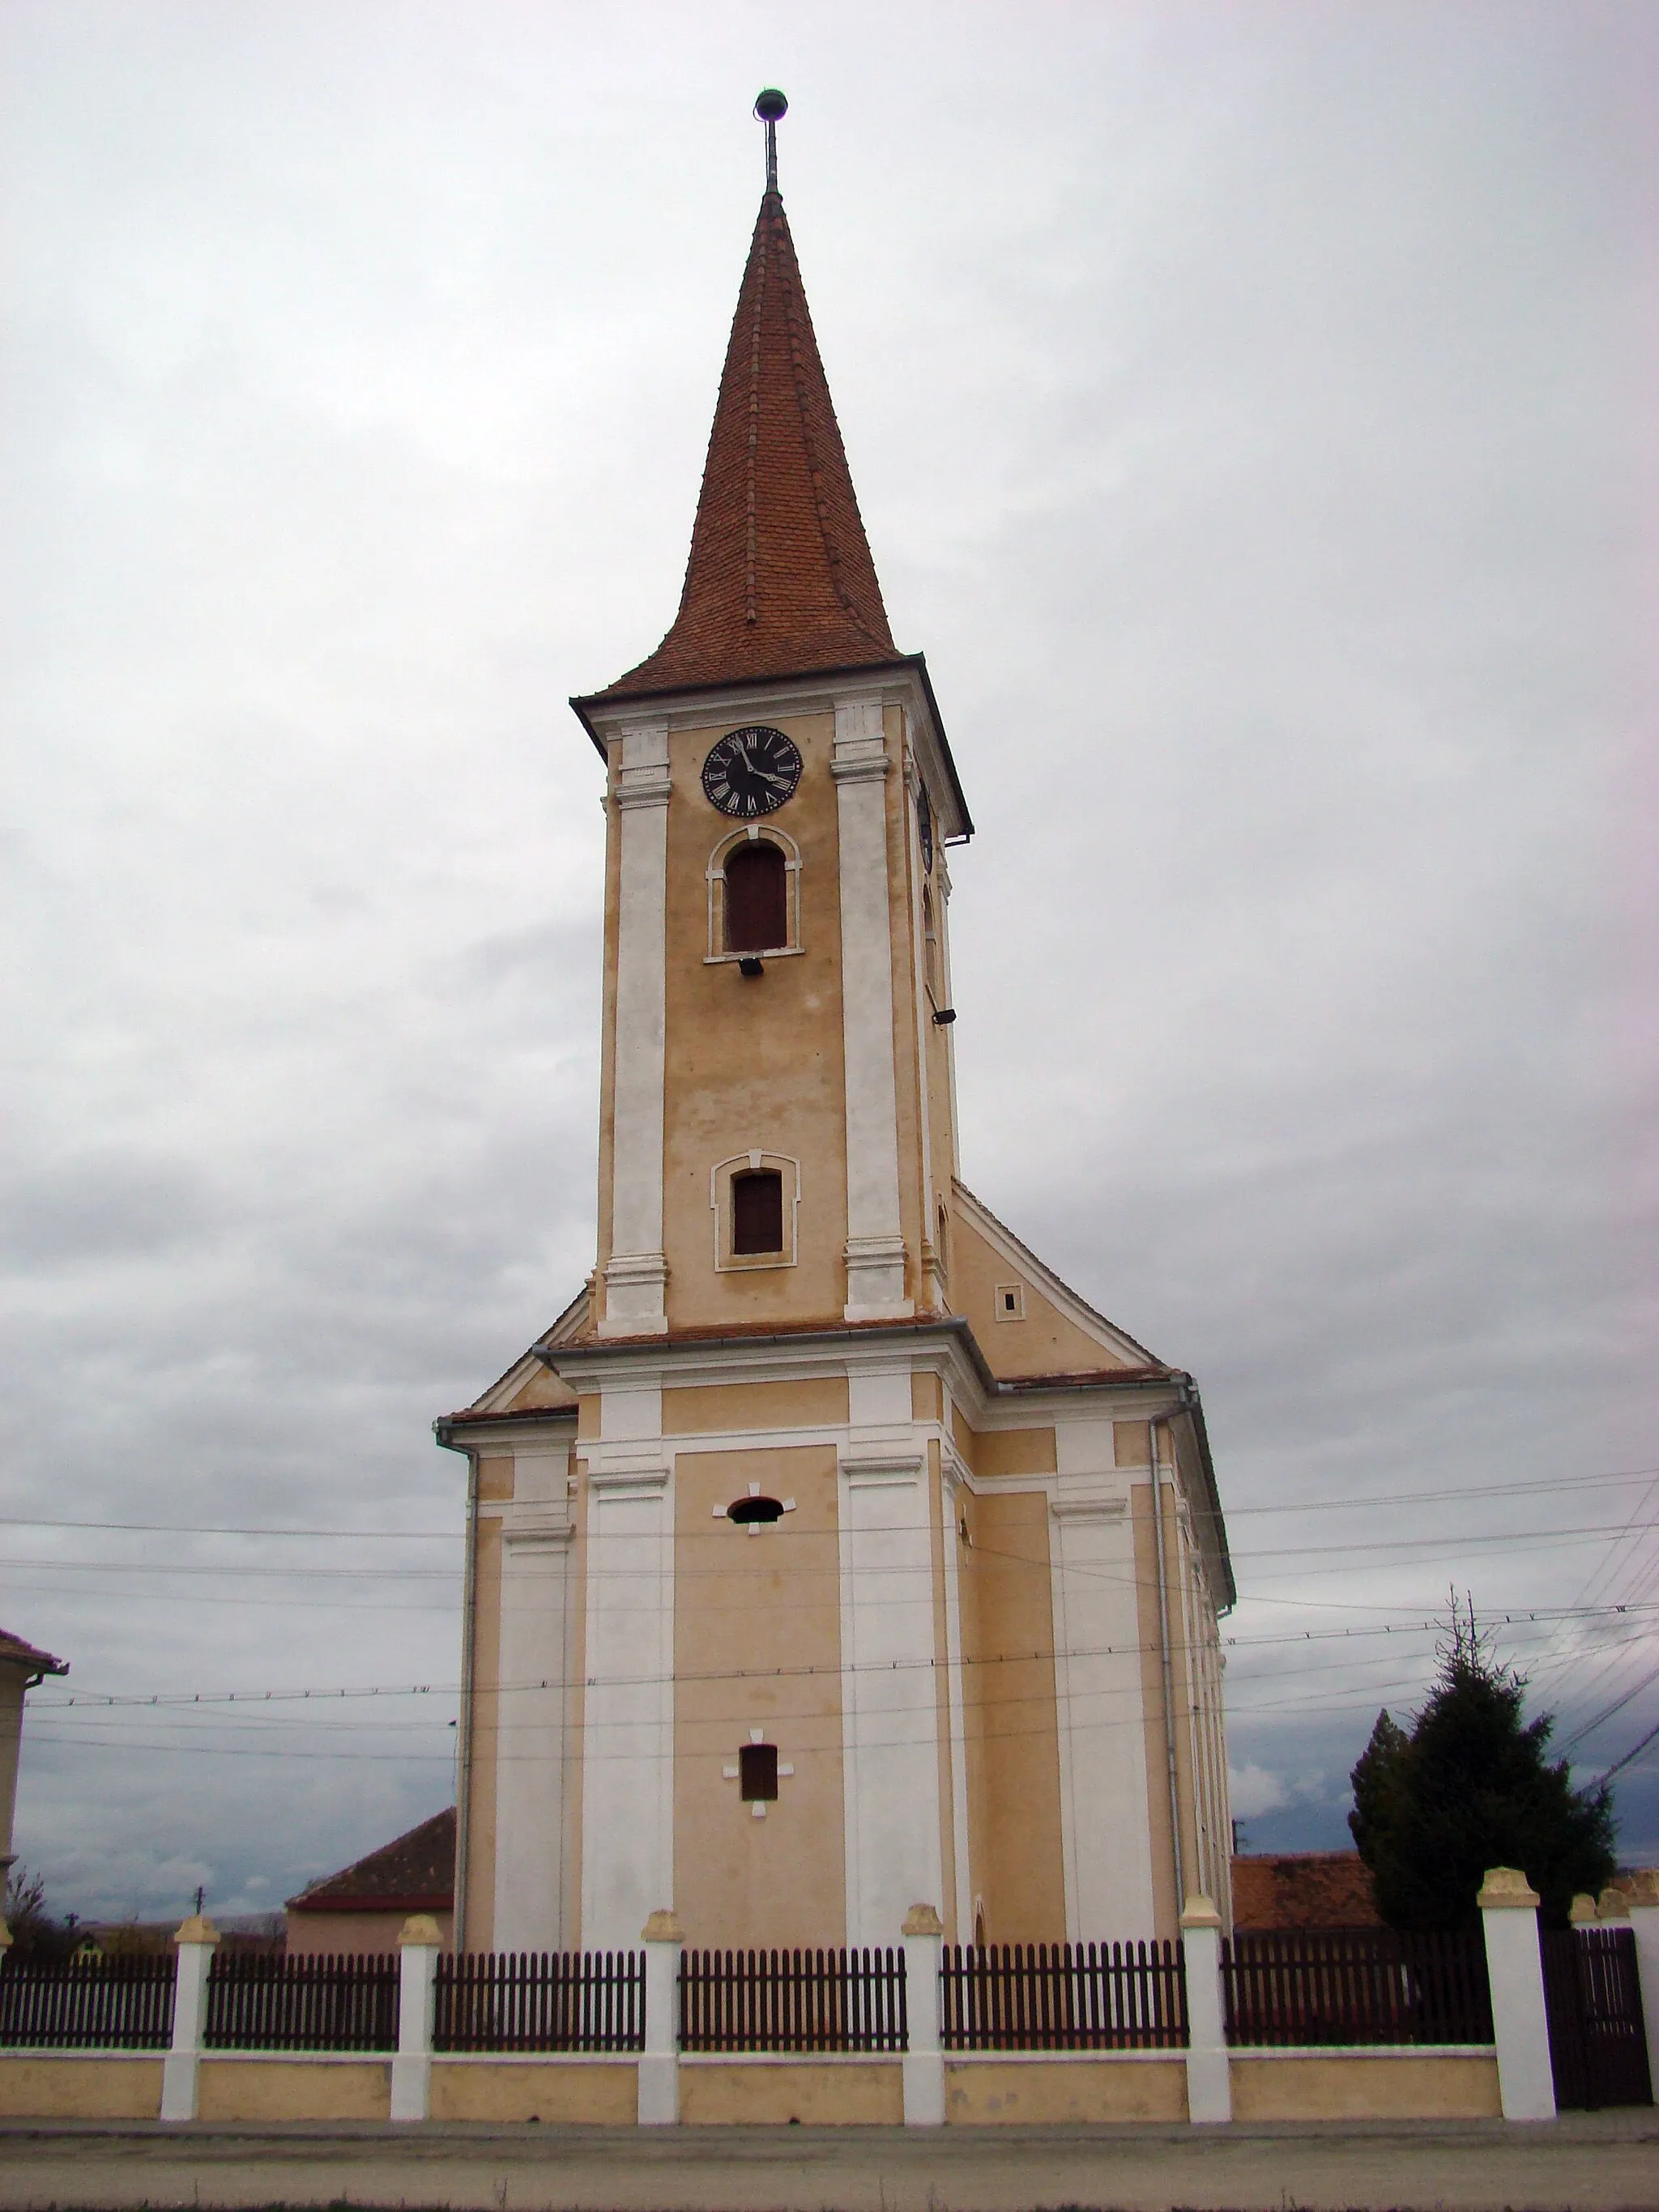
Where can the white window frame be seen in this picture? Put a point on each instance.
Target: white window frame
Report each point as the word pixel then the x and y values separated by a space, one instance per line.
pixel 727 1262
pixel 752 833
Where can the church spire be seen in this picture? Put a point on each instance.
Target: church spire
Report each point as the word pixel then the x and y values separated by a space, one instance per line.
pixel 779 581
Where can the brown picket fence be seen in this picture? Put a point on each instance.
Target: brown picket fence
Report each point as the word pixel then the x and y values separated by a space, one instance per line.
pixel 86 2004
pixel 1064 1997
pixel 540 2001
pixel 793 2000
pixel 270 2002
pixel 1363 1985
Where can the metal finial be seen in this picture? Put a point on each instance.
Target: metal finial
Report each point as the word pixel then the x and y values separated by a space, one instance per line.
pixel 771 107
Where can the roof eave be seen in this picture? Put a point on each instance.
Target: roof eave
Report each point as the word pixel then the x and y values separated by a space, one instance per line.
pixel 584 705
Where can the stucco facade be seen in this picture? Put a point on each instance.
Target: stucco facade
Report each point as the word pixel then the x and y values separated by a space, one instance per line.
pixel 877 1511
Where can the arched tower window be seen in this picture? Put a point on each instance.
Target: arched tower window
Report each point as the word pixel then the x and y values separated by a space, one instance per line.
pixel 929 947
pixel 756 898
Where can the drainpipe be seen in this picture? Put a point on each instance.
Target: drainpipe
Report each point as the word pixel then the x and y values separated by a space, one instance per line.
pixel 1168 1668
pixel 464 1725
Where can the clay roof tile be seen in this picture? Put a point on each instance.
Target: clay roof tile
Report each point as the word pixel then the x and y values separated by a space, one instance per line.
pixel 779 581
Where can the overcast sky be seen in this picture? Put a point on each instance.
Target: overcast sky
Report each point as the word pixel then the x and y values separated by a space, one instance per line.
pixel 1251 411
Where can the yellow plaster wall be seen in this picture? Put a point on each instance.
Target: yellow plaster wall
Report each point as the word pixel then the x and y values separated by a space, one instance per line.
pixel 1045 1343
pixel 78 2088
pixel 819 1402
pixel 1361 2086
pixel 495 1477
pixel 1026 2094
pixel 605 2096
pixel 730 2094
pixel 754 1062
pixel 1003 1451
pixel 926 1397
pixel 1008 1692
pixel 746 1606
pixel 292 2089
pixel 544 1388
pixel 486 1703
pixel 316 1934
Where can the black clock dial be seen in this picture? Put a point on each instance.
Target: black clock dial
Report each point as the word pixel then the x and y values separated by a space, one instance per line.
pixel 751 771
pixel 925 826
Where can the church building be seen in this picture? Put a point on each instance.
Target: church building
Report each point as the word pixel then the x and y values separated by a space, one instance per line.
pixel 828 1554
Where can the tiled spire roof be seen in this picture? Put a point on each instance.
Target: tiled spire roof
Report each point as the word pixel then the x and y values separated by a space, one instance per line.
pixel 780 580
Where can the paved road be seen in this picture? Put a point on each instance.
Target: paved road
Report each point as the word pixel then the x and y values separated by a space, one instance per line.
pixel 1589 2162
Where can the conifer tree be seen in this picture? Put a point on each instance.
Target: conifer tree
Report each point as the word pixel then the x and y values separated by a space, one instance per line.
pixel 1471 1787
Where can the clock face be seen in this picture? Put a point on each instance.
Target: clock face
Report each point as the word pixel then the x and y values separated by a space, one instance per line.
pixel 751 771
pixel 925 828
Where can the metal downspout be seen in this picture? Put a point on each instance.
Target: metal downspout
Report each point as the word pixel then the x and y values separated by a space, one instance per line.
pixel 1168 1669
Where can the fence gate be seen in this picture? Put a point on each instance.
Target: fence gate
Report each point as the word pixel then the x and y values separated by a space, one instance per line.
pixel 1598 2045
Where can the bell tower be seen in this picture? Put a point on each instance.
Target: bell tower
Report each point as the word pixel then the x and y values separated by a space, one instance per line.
pixel 828 1555
pixel 779 1138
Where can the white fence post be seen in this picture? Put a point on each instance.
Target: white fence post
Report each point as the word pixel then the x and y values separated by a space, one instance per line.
pixel 181 2068
pixel 1645 1924
pixel 1209 2076
pixel 924 2061
pixel 659 2061
pixel 419 1941
pixel 1515 1968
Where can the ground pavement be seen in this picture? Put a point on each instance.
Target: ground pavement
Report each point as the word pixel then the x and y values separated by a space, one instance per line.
pixel 1590 2162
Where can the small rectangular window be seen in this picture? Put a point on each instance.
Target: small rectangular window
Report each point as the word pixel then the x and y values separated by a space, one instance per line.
pixel 757 1773
pixel 757 1211
pixel 1010 1301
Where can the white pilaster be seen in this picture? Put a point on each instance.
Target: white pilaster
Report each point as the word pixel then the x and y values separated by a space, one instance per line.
pixel 875 1242
pixel 924 2061
pixel 636 1272
pixel 1515 1968
pixel 628 1744
pixel 1209 2077
pixel 196 1942
pixel 418 1945
pixel 1105 1843
pixel 889 1730
pixel 658 2104
pixel 536 1541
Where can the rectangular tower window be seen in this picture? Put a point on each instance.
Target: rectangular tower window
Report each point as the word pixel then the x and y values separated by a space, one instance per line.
pixel 757 1773
pixel 757 1211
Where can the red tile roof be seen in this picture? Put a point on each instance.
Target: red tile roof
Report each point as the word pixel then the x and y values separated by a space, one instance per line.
pixel 416 1873
pixel 1303 1889
pixel 779 581
pixel 38 1662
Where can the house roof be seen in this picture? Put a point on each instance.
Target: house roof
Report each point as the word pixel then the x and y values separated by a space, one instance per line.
pixel 779 581
pixel 1303 1889
pixel 18 1652
pixel 416 1873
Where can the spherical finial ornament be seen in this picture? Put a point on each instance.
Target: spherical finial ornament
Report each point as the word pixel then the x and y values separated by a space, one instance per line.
pixel 771 107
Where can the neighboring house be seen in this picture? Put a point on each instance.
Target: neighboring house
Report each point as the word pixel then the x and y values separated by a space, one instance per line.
pixel 829 1555
pixel 363 1907
pixel 21 1667
pixel 1303 1889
